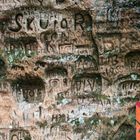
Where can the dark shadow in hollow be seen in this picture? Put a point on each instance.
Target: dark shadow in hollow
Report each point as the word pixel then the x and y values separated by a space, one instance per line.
pixel 132 59
pixel 19 134
pixel 125 132
pixel 54 71
pixel 29 88
pixel 89 83
pixel 2 67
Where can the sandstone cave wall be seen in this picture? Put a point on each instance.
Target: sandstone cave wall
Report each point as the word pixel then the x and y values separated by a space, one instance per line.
pixel 69 69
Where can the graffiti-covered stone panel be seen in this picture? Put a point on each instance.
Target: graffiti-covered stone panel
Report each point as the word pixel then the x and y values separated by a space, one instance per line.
pixel 69 69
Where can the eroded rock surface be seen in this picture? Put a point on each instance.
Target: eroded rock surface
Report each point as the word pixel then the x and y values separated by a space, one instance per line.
pixel 69 69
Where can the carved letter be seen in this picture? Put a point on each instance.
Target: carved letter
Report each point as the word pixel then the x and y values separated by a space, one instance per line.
pixel 79 20
pixel 17 22
pixel 64 23
pixel 44 25
pixel 29 21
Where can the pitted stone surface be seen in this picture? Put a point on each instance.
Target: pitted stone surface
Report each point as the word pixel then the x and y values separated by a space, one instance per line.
pixel 69 69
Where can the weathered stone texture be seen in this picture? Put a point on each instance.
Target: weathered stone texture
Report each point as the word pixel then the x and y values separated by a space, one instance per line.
pixel 69 69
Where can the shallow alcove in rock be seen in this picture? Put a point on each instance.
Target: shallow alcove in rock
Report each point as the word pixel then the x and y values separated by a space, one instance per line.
pixel 29 88
pixel 128 85
pixel 125 132
pixel 56 71
pixel 87 84
pixel 20 47
pixel 86 62
pixel 4 86
pixel 132 60
pixel 19 134
pixel 56 78
pixel 2 67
